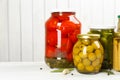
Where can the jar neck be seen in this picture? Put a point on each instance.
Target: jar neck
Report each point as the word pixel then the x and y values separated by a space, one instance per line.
pixel 118 19
pixel 62 13
pixel 118 26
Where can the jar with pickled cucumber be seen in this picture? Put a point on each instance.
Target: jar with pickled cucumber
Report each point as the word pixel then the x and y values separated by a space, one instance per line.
pixel 88 53
pixel 106 39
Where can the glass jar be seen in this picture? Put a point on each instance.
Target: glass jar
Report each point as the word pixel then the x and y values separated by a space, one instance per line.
pixel 118 24
pixel 106 39
pixel 60 36
pixel 116 51
pixel 88 53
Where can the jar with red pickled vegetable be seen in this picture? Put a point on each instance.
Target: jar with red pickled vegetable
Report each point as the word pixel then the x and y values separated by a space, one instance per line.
pixel 61 30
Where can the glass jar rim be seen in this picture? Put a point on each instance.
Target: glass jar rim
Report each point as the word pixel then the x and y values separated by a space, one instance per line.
pixel 63 10
pixel 86 36
pixel 62 13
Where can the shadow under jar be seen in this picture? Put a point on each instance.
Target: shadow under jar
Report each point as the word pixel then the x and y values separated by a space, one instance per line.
pixel 88 53
pixel 61 30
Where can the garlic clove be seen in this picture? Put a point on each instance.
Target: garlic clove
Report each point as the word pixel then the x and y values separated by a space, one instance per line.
pixel 66 71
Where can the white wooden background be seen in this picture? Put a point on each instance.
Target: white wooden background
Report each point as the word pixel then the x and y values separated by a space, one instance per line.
pixel 22 23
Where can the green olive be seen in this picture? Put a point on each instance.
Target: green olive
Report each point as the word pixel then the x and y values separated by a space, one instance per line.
pixel 83 55
pixel 77 58
pixel 90 68
pixel 98 53
pixel 96 45
pixel 96 62
pixel 91 56
pixel 90 49
pixel 78 43
pixel 80 67
pixel 76 47
pixel 75 63
pixel 86 62
pixel 86 41
pixel 76 50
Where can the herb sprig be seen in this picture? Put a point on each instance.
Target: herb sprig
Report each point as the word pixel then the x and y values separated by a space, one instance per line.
pixel 108 71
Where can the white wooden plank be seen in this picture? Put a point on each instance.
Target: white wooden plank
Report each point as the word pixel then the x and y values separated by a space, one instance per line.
pixel 38 30
pixel 109 12
pixel 85 15
pixel 49 6
pixel 117 11
pixel 75 5
pixel 97 13
pixel 63 4
pixel 14 30
pixel 26 29
pixel 117 7
pixel 3 31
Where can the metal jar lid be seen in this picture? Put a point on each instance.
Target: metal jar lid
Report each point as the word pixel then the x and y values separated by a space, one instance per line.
pixel 88 36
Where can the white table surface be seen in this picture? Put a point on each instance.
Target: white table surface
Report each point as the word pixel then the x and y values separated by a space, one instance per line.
pixel 31 71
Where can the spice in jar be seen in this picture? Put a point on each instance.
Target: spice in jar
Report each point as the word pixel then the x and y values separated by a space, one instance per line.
pixel 88 53
pixel 61 31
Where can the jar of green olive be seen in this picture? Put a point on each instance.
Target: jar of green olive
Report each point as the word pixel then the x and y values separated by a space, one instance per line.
pixel 88 53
